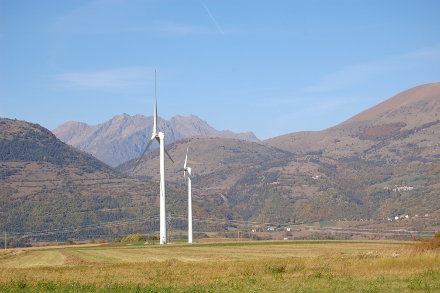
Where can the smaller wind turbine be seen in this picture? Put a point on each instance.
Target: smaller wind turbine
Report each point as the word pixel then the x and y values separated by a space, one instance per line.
pixel 186 170
pixel 159 136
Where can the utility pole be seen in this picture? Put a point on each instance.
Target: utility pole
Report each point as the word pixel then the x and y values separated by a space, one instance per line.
pixel 5 241
pixel 239 235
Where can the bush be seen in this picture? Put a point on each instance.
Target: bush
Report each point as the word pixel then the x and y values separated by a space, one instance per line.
pixel 134 238
pixel 153 237
pixel 429 244
pixel 276 268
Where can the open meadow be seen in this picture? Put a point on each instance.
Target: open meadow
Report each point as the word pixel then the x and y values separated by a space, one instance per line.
pixel 287 266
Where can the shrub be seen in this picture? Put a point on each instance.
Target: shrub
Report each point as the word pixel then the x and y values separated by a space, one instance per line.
pixel 429 244
pixel 153 237
pixel 276 268
pixel 135 238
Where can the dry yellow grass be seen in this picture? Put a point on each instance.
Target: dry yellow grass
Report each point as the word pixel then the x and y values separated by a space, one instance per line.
pixel 268 266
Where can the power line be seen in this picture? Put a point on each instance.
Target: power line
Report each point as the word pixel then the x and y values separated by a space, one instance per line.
pixel 68 180
pixel 211 219
pixel 102 210
pixel 85 227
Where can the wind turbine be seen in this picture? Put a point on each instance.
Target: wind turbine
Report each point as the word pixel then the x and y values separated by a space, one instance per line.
pixel 159 136
pixel 188 170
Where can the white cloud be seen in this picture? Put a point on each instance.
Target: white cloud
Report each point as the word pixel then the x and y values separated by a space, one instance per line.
pixel 361 73
pixel 426 54
pixel 97 16
pixel 348 77
pixel 105 79
pixel 166 26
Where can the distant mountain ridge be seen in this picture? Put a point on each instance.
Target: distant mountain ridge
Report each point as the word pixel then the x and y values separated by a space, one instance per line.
pixel 381 164
pixel 406 121
pixel 124 137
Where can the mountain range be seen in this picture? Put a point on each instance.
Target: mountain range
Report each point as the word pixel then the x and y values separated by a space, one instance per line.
pixel 381 164
pixel 124 137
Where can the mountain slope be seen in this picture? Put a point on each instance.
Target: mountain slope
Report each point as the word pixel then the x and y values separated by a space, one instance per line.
pixel 46 184
pixel 24 142
pixel 362 165
pixel 222 156
pixel 410 121
pixel 414 107
pixel 124 137
pixel 381 163
pixel 220 168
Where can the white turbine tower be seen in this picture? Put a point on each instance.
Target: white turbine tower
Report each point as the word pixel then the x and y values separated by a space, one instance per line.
pixel 159 136
pixel 185 171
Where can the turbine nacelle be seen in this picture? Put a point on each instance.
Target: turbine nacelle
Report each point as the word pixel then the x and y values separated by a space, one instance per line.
pixel 187 172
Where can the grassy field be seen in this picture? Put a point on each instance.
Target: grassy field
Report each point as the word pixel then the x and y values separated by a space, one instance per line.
pixel 288 266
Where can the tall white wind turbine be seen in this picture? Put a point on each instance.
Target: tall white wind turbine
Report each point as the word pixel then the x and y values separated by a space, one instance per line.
pixel 186 170
pixel 159 136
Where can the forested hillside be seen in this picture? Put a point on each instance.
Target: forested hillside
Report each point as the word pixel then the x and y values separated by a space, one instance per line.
pixel 48 185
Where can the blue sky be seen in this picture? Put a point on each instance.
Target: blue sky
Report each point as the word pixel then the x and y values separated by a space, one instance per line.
pixel 271 67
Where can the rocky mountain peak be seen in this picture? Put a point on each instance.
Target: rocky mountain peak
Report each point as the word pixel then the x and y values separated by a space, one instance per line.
pixel 123 137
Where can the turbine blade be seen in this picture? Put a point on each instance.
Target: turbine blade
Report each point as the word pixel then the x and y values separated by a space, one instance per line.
pixel 155 104
pixel 140 158
pixel 168 155
pixel 186 158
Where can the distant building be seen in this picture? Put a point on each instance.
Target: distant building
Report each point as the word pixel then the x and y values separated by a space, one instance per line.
pixel 399 188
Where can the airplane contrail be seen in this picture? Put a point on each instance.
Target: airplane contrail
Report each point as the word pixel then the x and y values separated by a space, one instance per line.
pixel 213 18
